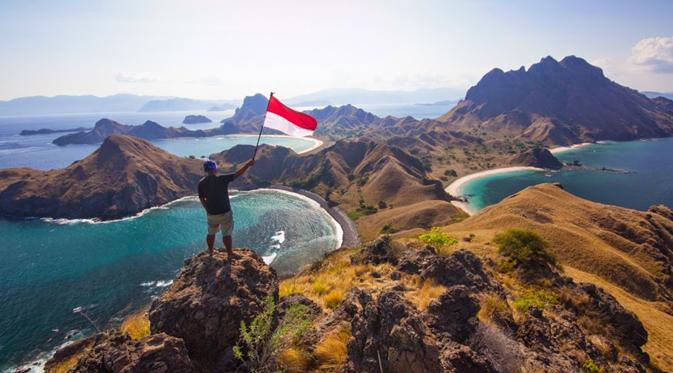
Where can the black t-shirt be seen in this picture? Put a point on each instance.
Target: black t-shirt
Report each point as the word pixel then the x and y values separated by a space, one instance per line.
pixel 215 189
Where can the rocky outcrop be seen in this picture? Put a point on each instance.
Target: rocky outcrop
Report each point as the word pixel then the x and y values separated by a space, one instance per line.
pixel 538 157
pixel 195 119
pixel 123 177
pixel 390 336
pixel 209 299
pixel 118 353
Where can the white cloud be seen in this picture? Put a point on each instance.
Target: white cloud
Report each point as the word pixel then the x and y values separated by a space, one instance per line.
pixel 135 78
pixel 654 53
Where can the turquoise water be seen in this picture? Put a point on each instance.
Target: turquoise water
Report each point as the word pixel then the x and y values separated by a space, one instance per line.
pixel 39 152
pixel 111 269
pixel 640 174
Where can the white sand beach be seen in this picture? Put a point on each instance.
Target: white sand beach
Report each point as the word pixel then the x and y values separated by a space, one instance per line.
pixel 316 143
pixel 456 188
pixel 561 149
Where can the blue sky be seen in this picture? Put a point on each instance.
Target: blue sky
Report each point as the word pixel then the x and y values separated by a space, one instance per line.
pixel 227 49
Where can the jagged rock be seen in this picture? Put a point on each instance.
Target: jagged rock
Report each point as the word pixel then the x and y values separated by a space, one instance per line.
pixel 209 299
pixel 390 336
pixel 462 359
pixel 118 353
pixel 312 307
pixel 459 268
pixel 625 324
pixel 376 252
pixel 452 315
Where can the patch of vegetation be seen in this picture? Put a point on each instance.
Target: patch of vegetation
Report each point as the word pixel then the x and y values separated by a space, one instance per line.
pixel 388 229
pixel 382 205
pixel 261 345
pixel 422 291
pixel 362 181
pixel 538 298
pixel 437 238
pixel 491 306
pixel 450 173
pixel 524 248
pixel 590 366
pixel 137 326
pixel 332 351
pixel 334 298
pixel 362 210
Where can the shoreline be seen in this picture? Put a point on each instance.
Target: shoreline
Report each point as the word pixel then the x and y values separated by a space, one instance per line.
pixel 350 236
pixel 563 149
pixel 455 189
pixel 317 143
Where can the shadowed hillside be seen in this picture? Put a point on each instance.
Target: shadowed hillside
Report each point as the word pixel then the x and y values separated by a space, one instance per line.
pixel 124 176
pixel 364 177
pixel 559 103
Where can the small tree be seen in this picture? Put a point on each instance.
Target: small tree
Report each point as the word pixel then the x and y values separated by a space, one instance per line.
pixel 261 344
pixel 524 248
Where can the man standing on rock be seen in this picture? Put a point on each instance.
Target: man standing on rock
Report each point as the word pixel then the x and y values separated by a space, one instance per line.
pixel 214 196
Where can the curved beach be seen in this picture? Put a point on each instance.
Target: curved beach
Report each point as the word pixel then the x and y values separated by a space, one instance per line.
pixel 455 189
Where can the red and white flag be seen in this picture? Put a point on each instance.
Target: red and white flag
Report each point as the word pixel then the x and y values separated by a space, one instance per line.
pixel 286 120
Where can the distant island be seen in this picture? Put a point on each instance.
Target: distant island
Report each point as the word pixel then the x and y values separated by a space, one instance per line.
pixel 195 119
pixel 47 131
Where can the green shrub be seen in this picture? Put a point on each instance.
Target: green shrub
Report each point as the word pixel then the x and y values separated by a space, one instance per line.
pixel 260 345
pixel 524 247
pixel 534 298
pixel 590 366
pixel 388 229
pixel 362 211
pixel 437 238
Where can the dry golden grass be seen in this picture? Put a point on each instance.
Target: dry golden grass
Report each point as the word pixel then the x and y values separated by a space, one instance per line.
pixel 491 305
pixel 328 284
pixel 659 324
pixel 332 351
pixel 576 232
pixel 295 360
pixel 421 292
pixel 334 298
pixel 136 325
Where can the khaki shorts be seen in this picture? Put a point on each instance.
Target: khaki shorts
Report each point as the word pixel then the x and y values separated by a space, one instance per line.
pixel 223 222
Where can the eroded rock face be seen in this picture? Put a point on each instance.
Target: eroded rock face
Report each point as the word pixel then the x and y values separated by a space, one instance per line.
pixel 209 299
pixel 390 336
pixel 459 268
pixel 117 353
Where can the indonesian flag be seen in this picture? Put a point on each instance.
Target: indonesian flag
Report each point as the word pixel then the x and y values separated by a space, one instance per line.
pixel 286 120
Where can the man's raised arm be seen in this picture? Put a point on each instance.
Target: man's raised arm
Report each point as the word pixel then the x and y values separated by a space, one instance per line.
pixel 244 168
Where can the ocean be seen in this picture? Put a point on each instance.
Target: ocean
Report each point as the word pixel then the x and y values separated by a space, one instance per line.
pixel 110 270
pixel 633 174
pixel 50 269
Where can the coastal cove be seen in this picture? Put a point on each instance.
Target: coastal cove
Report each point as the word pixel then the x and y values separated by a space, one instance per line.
pixel 633 174
pixel 111 269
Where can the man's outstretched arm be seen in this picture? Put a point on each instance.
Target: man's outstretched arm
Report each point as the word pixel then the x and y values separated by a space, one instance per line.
pixel 244 168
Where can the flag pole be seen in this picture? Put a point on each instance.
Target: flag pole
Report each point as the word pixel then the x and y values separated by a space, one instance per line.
pixel 261 128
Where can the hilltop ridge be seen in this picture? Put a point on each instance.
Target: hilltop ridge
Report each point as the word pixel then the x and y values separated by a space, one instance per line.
pixel 124 176
pixel 559 103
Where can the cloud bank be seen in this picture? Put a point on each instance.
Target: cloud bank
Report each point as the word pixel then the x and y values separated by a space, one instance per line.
pixel 654 53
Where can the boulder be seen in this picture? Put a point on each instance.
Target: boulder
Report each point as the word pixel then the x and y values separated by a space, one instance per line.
pixel 376 252
pixel 453 314
pixel 459 268
pixel 390 336
pixel 208 300
pixel 118 353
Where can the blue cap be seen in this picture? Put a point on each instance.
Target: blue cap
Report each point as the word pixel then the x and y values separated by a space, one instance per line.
pixel 209 166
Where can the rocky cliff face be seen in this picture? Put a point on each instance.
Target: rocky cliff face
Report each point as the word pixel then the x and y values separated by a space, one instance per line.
pixel 559 102
pixel 123 177
pixel 538 157
pixel 207 302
